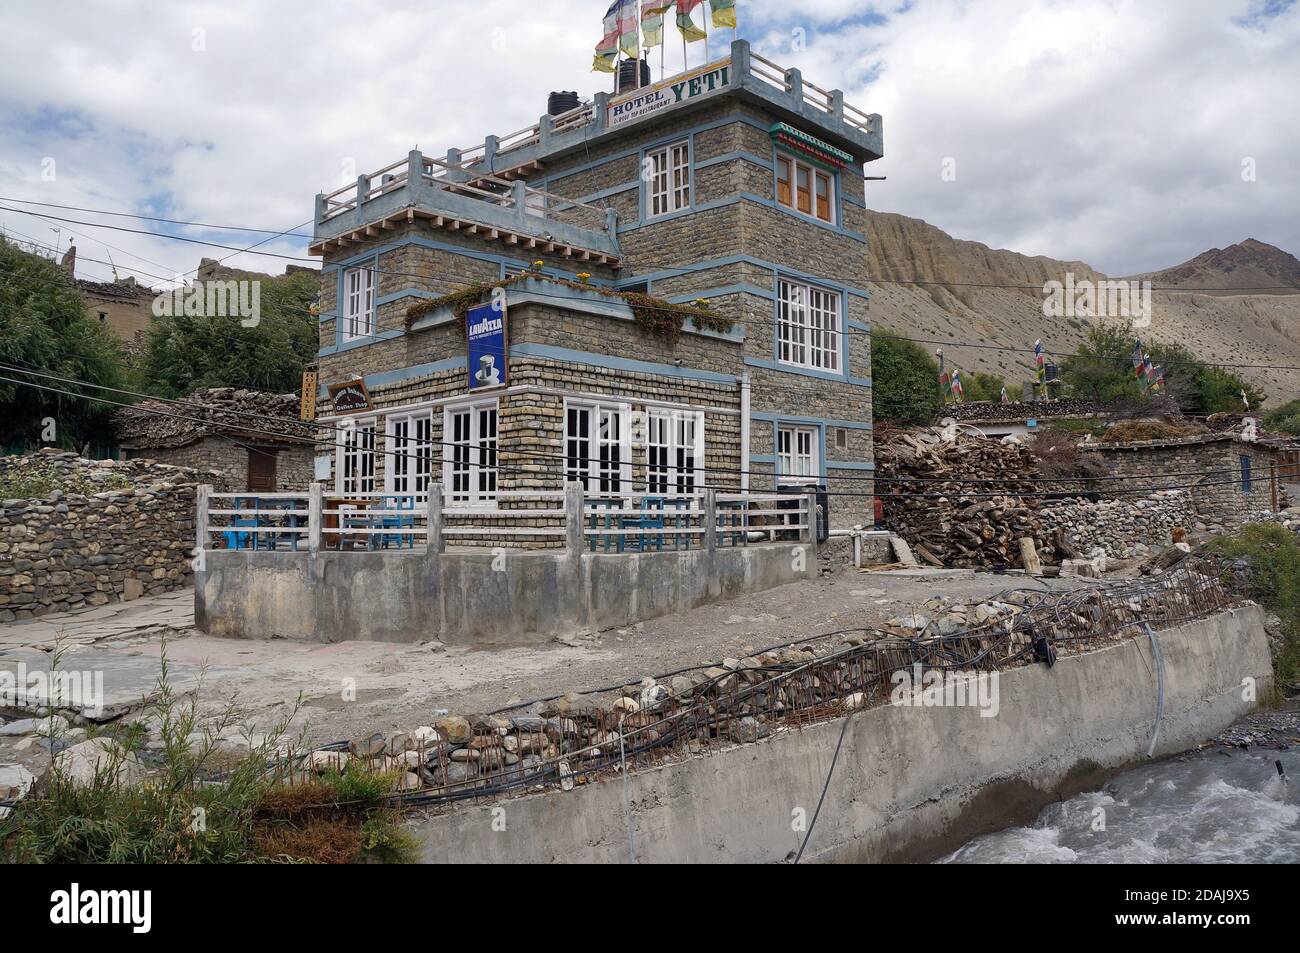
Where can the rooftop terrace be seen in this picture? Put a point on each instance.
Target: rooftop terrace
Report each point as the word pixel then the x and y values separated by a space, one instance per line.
pixel 481 190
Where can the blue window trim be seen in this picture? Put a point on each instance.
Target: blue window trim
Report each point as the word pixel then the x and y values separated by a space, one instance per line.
pixel 843 373
pixel 1247 481
pixel 837 214
pixel 643 206
pixel 369 260
pixel 803 424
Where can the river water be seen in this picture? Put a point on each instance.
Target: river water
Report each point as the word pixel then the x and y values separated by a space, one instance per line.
pixel 1212 807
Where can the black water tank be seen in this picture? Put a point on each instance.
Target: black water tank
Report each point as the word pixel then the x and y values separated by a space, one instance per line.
pixel 627 75
pixel 561 102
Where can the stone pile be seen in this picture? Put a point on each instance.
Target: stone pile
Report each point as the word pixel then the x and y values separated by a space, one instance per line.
pixel 961 500
pixel 1123 528
pixel 85 546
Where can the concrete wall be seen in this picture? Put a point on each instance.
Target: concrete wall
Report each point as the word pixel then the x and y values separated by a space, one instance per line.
pixel 910 783
pixel 462 599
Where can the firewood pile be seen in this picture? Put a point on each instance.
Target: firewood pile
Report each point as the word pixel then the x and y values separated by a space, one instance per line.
pixel 925 484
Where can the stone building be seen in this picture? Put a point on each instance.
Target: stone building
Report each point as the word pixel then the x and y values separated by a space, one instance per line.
pixel 122 304
pixel 1229 476
pixel 253 438
pixel 683 277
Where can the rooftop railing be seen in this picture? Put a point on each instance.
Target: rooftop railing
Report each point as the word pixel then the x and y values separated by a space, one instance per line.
pixel 489 169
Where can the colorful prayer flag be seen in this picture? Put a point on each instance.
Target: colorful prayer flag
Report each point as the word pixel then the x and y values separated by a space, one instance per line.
pixel 958 392
pixel 652 21
pixel 1005 399
pixel 621 32
pixel 1139 359
pixel 724 12
pixel 689 30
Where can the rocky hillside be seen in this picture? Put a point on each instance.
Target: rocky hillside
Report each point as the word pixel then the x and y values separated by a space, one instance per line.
pixel 954 303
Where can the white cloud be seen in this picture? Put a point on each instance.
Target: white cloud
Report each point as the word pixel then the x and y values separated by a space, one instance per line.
pixel 1107 131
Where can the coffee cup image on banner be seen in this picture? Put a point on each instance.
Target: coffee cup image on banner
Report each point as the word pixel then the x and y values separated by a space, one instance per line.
pixel 486 338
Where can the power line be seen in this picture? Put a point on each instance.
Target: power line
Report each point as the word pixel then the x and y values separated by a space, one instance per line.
pixel 290 233
pixel 681 309
pixel 497 452
pixel 47 374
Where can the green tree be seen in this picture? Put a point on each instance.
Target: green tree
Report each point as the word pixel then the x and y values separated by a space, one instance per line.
pixel 44 325
pixel 1103 370
pixel 980 385
pixel 904 381
pixel 185 352
pixel 1285 418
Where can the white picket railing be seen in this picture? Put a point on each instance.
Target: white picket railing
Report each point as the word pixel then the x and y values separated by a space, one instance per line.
pixel 587 522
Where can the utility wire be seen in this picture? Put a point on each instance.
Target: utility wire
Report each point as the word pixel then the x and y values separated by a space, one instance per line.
pixel 481 451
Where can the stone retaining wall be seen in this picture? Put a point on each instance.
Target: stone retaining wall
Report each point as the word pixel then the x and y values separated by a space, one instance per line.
pixel 1123 527
pixel 72 549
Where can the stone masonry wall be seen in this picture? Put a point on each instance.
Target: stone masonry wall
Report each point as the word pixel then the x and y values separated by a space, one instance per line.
pixel 72 549
pixel 1210 471
pixel 1123 527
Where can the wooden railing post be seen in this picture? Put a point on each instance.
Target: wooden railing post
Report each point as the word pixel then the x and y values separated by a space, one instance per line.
pixel 435 543
pixel 573 518
pixel 315 505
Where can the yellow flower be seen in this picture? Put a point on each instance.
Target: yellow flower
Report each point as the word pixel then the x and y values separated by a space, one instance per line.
pixel 583 276
pixel 537 265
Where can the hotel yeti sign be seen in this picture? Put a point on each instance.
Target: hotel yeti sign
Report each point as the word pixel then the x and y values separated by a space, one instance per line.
pixel 675 91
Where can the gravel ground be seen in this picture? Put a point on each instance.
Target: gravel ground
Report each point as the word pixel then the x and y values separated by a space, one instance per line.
pixel 354 687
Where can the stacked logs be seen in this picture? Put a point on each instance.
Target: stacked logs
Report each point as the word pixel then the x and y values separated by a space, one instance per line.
pixel 960 499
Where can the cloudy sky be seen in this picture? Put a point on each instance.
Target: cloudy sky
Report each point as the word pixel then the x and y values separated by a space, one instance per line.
pixel 1130 134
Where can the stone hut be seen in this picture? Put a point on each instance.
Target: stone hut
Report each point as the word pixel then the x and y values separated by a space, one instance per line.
pixel 253 437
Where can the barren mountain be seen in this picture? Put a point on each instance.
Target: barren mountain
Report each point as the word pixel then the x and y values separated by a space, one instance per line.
pixel 959 297
pixel 1251 266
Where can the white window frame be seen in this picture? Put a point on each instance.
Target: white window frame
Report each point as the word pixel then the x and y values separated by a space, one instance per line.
pixel 668 179
pixel 354 468
pixel 600 459
pixel 408 439
pixel 808 320
pixel 471 449
pixel 796 443
pixel 674 451
pixel 796 166
pixel 358 303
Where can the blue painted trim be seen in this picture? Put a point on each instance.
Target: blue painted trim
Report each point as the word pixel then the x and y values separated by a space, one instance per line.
pixel 420 242
pixel 762 458
pixel 643 205
pixel 853 200
pixel 706 207
pixel 369 259
pixel 786 418
pixel 550 352
pixel 719 292
pixel 406 373
pixel 733 156
pixel 858 325
pixel 778 276
pixel 736 260
pixel 807 219
pixel 339 346
pixel 836 212
pixel 807 372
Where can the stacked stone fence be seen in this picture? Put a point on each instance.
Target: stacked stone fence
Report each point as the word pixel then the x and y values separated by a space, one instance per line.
pixel 82 546
pixel 1124 527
